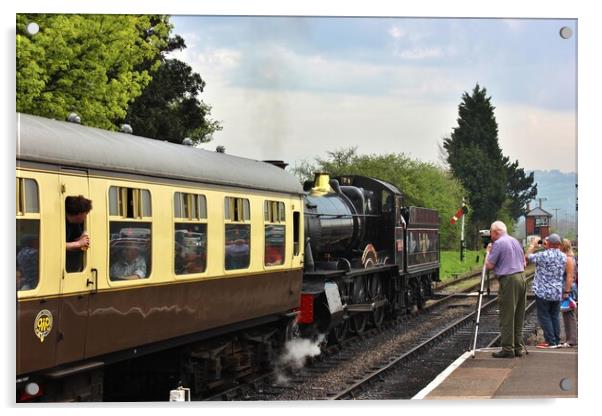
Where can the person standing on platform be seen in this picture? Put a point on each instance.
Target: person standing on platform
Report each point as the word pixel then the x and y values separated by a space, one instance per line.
pixel 505 256
pixel 550 267
pixel 569 317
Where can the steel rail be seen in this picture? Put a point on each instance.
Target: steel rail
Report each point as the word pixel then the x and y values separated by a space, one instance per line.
pixel 497 338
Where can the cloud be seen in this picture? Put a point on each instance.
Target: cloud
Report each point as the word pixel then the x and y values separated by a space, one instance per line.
pixel 514 25
pixel 538 138
pixel 420 53
pixel 396 33
pixel 408 45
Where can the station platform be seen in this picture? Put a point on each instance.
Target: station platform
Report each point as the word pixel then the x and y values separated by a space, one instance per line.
pixel 540 374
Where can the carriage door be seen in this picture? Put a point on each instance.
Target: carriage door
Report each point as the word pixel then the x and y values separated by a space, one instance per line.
pixel 77 280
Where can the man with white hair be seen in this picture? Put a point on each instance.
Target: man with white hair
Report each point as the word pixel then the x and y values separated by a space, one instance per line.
pixel 506 258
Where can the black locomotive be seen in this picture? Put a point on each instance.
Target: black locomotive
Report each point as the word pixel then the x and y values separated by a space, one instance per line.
pixel 366 255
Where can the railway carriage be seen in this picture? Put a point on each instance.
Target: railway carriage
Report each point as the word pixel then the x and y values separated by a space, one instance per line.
pixel 220 237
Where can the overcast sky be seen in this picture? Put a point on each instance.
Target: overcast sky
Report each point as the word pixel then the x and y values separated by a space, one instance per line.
pixel 293 88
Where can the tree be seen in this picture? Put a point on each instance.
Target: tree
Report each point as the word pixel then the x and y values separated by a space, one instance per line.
pixel 519 189
pixel 496 188
pixel 169 109
pixel 88 64
pixel 422 184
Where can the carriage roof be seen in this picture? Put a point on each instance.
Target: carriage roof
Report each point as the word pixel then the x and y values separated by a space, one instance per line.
pixel 68 144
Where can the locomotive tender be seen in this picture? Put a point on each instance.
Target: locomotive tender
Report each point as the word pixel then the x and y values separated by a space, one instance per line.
pixel 239 259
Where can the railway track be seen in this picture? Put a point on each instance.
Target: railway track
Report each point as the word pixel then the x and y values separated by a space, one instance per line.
pixel 407 374
pixel 359 356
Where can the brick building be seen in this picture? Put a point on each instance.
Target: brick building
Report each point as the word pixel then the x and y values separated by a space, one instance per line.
pixel 537 222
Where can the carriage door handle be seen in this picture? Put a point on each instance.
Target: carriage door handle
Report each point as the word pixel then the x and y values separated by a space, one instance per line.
pixel 93 282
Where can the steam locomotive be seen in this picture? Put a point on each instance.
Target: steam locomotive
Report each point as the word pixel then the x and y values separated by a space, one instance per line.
pixel 367 257
pixel 240 258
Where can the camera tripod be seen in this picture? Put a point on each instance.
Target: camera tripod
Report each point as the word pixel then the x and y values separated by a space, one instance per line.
pixel 479 303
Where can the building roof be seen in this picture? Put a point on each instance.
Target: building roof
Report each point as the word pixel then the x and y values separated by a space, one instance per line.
pixel 538 212
pixel 69 144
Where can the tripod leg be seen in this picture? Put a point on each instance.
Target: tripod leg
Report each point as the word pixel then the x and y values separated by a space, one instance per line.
pixel 479 303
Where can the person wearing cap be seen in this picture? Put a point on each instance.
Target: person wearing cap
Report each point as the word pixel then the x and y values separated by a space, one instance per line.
pixel 549 287
pixel 505 256
pixel 130 266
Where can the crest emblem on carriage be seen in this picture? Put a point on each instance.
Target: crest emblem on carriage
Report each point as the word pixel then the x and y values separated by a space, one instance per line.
pixel 43 324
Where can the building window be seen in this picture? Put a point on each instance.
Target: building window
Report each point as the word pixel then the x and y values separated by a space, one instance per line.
pixel 237 216
pixel 190 233
pixel 27 235
pixel 274 216
pixel 130 228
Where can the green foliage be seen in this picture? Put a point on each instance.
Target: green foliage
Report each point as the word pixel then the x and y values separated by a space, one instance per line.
pixel 497 189
pixel 475 158
pixel 422 184
pixel 519 188
pixel 94 65
pixel 169 109
pixel 451 264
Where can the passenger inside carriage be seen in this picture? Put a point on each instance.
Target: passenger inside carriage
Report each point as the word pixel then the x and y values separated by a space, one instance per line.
pixel 190 250
pixel 28 263
pixel 127 260
pixel 237 246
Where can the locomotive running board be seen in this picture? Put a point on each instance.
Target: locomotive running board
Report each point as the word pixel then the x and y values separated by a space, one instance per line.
pixel 366 307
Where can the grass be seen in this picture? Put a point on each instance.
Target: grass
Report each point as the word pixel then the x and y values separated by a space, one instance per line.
pixel 451 266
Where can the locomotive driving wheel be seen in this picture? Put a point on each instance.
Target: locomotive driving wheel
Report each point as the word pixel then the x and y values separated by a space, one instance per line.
pixel 360 319
pixel 376 293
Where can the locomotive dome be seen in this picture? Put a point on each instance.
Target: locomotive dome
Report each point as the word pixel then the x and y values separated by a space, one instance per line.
pixel 45 140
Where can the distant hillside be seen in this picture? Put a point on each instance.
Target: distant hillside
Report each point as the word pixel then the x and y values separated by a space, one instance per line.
pixel 558 188
pixel 559 191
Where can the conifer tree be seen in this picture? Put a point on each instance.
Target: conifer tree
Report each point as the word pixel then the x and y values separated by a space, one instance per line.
pixel 497 189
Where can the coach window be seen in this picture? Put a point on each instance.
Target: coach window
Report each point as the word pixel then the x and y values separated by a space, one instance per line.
pixel 28 234
pixel 130 233
pixel 274 218
pixel 190 231
pixel 237 217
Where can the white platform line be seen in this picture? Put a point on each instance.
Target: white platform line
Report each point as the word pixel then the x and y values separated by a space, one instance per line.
pixel 442 376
